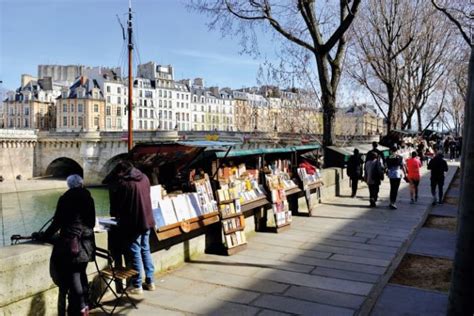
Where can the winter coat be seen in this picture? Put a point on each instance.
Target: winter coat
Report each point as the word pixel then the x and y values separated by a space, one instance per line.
pixel 354 167
pixel 373 172
pixel 130 203
pixel 438 167
pixel 74 218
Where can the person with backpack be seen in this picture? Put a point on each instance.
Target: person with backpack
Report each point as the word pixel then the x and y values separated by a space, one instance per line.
pixel 354 170
pixel 414 176
pixel 396 170
pixel 373 176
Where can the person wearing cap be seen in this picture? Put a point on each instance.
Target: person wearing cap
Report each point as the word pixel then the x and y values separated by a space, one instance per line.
pixel 75 247
pixel 396 170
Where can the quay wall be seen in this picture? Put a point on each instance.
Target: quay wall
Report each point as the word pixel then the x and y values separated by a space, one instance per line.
pixel 27 289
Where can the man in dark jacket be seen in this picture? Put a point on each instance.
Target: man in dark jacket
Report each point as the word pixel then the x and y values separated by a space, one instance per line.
pixel 438 167
pixel 354 170
pixel 376 151
pixel 130 203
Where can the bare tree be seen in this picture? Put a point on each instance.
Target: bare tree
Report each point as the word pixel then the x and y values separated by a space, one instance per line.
pixel 383 32
pixel 302 22
pixel 426 61
pixel 461 292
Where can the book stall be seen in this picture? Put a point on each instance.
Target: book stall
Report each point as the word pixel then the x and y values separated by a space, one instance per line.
pixel 176 214
pixel 183 200
pixel 309 177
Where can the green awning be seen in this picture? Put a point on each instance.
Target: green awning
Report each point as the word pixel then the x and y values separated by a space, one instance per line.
pixel 307 147
pixel 238 153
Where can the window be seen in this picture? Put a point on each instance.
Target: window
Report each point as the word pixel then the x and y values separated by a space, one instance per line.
pixel 96 108
pixel 108 99
pixel 119 100
pixel 165 93
pixel 177 117
pixel 140 124
pixel 72 108
pixel 72 121
pixel 64 120
pixel 96 121
pixel 195 117
pixel 166 104
pixel 140 93
pixel 166 114
pixel 64 107
pixel 108 88
pixel 145 114
pixel 119 111
pixel 159 103
pixel 119 90
pixel 108 110
pixel 119 123
pixel 160 93
pixel 27 123
pixel 79 121
pixel 194 98
pixel 79 108
pixel 145 103
pixel 26 111
pixel 145 124
pixel 108 123
pixel 152 114
pixel 152 125
pixel 140 113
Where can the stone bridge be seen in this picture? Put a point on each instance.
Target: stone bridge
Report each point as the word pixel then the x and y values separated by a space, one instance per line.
pixel 29 153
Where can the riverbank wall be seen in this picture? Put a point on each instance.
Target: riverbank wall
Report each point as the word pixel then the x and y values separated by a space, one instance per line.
pixel 27 289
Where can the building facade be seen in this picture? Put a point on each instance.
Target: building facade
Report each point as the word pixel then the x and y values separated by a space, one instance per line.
pixel 81 107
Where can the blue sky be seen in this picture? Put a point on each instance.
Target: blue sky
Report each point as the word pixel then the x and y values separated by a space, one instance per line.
pixel 86 32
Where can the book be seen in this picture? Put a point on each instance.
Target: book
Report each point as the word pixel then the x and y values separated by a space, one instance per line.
pixel 167 211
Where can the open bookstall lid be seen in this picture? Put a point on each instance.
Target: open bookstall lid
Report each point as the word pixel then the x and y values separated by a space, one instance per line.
pixel 157 154
pixel 239 152
pixel 363 149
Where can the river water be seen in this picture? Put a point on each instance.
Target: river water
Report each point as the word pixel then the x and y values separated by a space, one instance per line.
pixel 25 212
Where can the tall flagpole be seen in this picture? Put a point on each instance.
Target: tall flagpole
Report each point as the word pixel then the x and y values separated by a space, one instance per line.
pixel 130 78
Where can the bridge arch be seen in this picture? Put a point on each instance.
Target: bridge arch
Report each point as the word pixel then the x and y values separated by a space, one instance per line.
pixel 63 167
pixel 110 164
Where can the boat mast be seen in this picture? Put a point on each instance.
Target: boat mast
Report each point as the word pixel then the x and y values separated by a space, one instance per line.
pixel 130 78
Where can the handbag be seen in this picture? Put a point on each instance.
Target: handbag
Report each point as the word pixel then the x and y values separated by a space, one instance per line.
pixel 72 245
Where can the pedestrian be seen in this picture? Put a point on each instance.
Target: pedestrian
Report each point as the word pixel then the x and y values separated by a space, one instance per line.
pixel 75 246
pixel 414 176
pixel 354 170
pixel 438 167
pixel 395 172
pixel 378 152
pixel 373 176
pixel 452 149
pixel 129 191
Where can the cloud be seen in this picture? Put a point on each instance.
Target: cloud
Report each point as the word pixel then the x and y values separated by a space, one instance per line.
pixel 217 58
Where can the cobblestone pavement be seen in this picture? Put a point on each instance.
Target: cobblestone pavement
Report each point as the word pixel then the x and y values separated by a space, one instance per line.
pixel 333 263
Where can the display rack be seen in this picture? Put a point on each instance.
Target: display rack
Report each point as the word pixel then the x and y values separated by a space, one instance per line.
pixel 232 220
pixel 311 185
pixel 177 214
pixel 278 184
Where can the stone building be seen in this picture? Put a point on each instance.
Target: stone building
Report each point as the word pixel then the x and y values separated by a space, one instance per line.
pixel 81 107
pixel 31 106
pixel 359 120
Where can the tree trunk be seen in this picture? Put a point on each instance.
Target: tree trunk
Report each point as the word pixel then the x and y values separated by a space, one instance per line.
pixel 461 293
pixel 420 123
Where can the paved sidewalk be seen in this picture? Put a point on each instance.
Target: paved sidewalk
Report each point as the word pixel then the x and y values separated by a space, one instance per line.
pixel 334 263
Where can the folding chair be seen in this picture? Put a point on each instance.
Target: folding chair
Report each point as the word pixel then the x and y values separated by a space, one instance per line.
pixel 111 274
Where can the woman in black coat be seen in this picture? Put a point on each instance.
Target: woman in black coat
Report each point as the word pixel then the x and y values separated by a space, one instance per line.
pixel 74 248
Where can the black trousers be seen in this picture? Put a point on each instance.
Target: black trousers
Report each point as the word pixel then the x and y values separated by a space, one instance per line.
pixel 374 192
pixel 394 185
pixel 354 185
pixel 437 183
pixel 78 289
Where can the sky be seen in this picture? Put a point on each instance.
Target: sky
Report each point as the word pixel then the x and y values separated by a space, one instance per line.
pixel 87 32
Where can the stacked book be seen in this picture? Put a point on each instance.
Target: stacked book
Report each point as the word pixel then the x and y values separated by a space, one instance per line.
pixel 230 209
pixel 171 209
pixel 306 178
pixel 232 224
pixel 235 239
pixel 280 207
